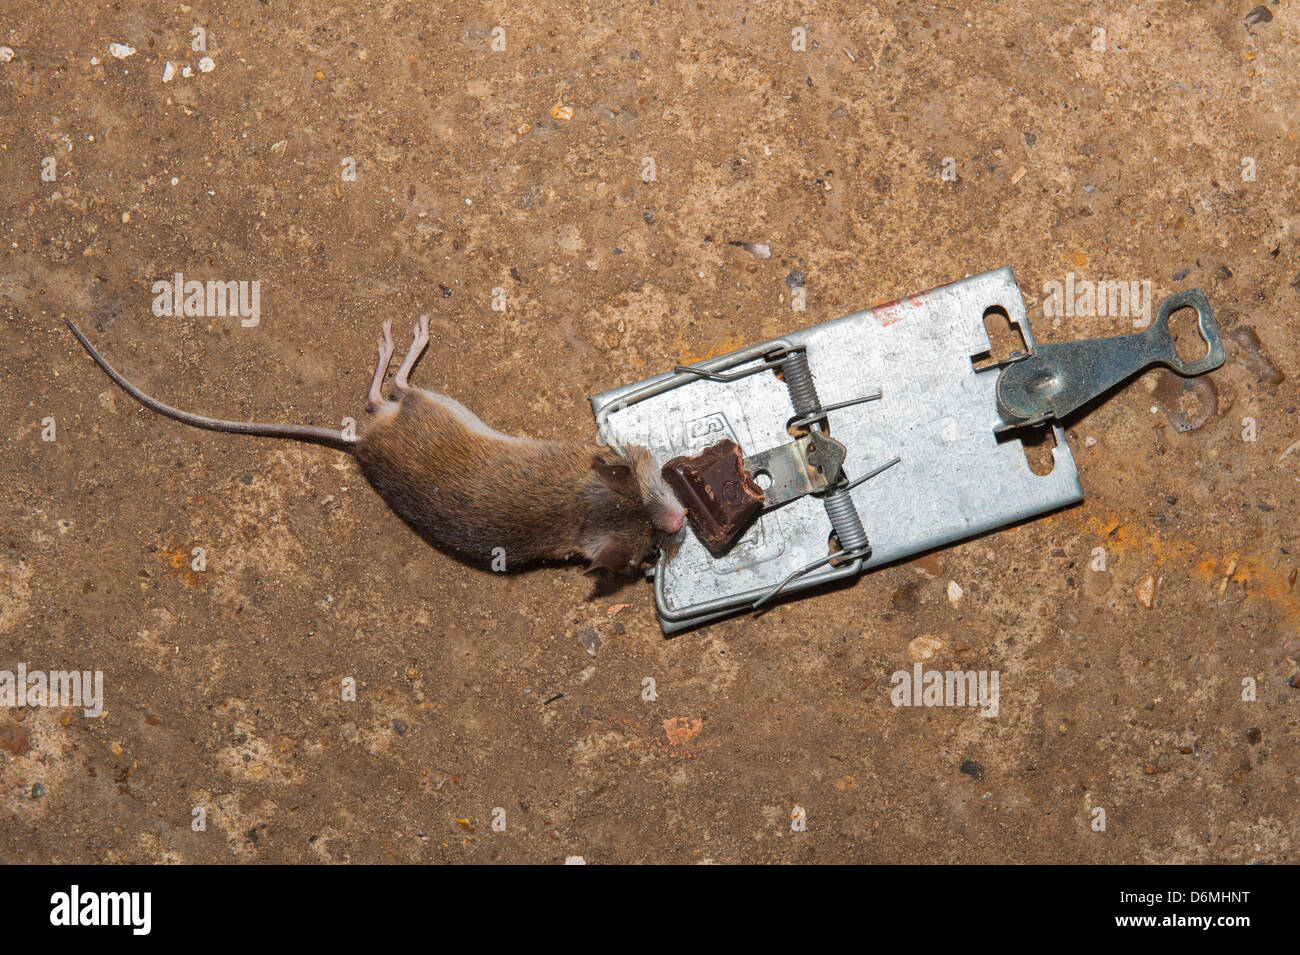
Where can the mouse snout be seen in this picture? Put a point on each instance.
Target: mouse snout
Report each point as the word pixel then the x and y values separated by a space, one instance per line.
pixel 666 512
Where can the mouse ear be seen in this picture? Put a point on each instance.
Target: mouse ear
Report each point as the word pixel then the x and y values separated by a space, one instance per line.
pixel 611 556
pixel 612 470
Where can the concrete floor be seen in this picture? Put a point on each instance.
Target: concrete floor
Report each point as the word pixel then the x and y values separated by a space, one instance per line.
pixel 905 145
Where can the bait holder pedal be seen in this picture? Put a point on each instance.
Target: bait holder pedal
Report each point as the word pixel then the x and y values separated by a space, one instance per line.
pixel 909 407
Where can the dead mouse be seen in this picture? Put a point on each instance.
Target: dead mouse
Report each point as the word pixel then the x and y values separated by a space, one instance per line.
pixel 476 492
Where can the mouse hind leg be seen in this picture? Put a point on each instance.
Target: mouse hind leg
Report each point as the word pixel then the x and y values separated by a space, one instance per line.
pixel 418 343
pixel 376 396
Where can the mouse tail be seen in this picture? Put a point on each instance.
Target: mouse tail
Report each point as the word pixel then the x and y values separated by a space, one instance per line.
pixel 294 432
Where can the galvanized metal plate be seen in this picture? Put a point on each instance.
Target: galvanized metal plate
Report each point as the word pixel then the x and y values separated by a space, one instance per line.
pixel 937 414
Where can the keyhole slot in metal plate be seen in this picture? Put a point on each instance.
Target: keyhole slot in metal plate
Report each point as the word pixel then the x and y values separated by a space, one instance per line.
pixel 1006 340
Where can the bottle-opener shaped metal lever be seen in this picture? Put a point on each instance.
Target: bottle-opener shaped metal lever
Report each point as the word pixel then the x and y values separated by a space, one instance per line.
pixel 1057 378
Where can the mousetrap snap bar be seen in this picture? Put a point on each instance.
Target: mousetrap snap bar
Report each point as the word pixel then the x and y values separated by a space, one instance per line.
pixel 866 440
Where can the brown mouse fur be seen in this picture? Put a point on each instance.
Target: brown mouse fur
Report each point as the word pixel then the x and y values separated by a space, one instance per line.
pixel 477 492
pixel 471 492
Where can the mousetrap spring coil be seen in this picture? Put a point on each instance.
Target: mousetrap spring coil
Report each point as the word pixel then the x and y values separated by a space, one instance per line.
pixel 843 514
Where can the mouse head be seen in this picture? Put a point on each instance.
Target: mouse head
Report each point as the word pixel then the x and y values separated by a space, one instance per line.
pixel 634 510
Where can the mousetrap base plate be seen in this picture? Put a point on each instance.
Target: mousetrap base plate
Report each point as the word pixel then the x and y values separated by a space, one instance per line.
pixel 937 414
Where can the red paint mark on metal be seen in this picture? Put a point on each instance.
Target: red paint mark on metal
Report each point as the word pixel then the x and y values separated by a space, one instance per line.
pixel 891 312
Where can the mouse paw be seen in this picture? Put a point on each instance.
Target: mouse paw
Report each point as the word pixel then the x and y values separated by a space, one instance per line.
pixel 375 397
pixel 419 340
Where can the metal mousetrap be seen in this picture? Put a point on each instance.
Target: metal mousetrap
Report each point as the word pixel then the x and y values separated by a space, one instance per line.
pixel 876 436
